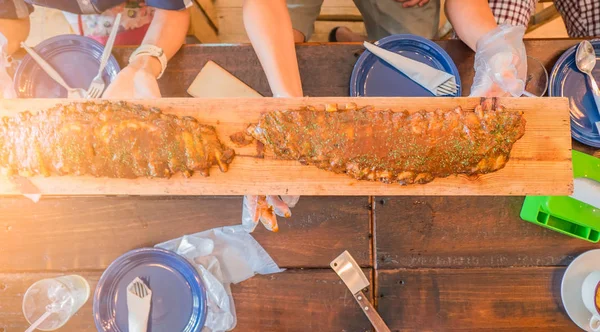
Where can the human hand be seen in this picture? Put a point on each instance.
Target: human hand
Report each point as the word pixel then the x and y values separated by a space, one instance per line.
pixel 266 209
pixel 412 3
pixel 136 81
pixel 500 63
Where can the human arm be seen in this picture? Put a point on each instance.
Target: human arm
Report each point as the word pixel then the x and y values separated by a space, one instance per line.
pixel 269 28
pixel 138 80
pixel 15 31
pixel 14 23
pixel 500 58
pixel 471 19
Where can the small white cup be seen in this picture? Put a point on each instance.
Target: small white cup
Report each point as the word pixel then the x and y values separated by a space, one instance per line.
pixel 589 291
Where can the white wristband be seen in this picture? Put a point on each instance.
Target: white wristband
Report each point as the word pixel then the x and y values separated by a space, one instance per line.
pixel 153 51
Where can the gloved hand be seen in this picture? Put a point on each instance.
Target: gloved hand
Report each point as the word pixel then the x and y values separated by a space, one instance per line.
pixel 500 63
pixel 131 83
pixel 266 209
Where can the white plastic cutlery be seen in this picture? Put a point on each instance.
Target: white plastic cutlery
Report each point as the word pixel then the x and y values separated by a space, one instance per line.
pixel 97 86
pixel 72 93
pixel 436 81
pixel 139 297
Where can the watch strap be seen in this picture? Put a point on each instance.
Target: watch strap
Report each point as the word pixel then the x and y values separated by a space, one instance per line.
pixel 153 51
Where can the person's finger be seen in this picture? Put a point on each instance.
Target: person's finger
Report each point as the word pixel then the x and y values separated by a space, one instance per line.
pixel 249 213
pixel 261 205
pixel 268 219
pixel 291 201
pixel 410 3
pixel 423 3
pixel 279 206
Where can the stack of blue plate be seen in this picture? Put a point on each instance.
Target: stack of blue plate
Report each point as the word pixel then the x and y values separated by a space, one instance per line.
pixel 567 81
pixel 178 295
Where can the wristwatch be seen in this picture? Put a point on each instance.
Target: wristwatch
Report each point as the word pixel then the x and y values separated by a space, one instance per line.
pixel 153 51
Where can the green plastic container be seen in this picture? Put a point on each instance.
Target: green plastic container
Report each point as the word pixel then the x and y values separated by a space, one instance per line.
pixel 563 213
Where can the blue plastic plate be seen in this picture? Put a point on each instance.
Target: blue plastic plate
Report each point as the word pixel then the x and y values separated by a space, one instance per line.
pixel 372 77
pixel 567 81
pixel 74 57
pixel 178 295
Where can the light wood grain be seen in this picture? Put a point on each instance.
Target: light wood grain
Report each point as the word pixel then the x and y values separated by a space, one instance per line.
pixel 540 163
pixel 200 25
pixel 231 23
pixel 209 7
pixel 88 233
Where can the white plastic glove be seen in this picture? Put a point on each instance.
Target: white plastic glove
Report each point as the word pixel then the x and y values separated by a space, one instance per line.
pixel 266 209
pixel 500 63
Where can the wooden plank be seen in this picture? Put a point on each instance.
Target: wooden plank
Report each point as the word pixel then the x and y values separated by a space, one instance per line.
pixel 14 285
pixel 201 26
pixel 210 9
pixel 440 232
pixel 308 300
pixel 232 30
pixel 327 4
pixel 540 162
pixel 329 8
pixel 89 233
pixel 323 28
pixel 515 299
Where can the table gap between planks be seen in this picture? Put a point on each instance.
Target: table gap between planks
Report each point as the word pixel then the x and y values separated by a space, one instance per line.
pixel 437 263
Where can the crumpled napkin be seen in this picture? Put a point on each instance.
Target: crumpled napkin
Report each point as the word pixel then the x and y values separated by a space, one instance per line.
pixel 223 256
pixel 428 77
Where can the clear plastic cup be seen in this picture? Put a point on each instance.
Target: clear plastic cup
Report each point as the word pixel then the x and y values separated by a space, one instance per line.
pixel 62 296
pixel 536 82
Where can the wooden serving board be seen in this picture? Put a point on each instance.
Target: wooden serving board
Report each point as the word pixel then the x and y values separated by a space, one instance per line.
pixel 540 162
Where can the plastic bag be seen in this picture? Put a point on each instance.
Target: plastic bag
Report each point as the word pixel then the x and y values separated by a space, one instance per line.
pixel 6 83
pixel 500 63
pixel 223 256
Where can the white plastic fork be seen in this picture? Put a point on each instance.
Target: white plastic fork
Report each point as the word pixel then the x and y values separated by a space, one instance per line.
pixel 140 289
pixel 97 86
pixel 72 93
pixel 447 88
pixel 438 82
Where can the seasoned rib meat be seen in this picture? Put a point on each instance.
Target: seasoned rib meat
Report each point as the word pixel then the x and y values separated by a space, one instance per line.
pixel 116 140
pixel 393 147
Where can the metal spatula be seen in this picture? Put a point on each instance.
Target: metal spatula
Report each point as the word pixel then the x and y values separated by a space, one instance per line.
pixel 349 271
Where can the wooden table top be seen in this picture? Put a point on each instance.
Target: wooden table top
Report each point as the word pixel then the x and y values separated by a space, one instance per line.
pixel 435 263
